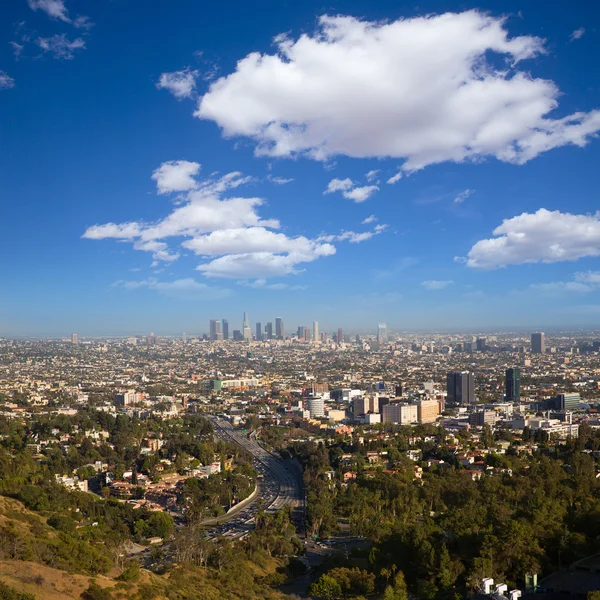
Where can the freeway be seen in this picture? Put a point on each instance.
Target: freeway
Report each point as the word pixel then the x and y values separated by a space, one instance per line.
pixel 280 485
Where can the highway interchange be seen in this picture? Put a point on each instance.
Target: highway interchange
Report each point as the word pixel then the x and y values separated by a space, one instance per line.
pixel 279 486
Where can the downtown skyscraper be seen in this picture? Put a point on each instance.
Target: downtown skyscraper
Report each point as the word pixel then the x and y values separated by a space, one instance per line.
pixel 279 333
pixel 460 388
pixel 246 331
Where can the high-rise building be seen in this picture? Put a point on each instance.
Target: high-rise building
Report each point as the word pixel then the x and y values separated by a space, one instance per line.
pixel 246 331
pixel 382 333
pixel 306 334
pixel 225 329
pixel 427 411
pixel 316 407
pixel 74 339
pixel 279 333
pixel 269 330
pixel 300 332
pixel 513 384
pixel 259 334
pixel 151 340
pixel 400 413
pixel 315 335
pixel 481 344
pixel 460 388
pixel 237 335
pixel 538 343
pixel 215 330
pixel 340 335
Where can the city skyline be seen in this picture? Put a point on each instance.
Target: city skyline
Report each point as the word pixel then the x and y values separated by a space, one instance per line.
pixel 117 226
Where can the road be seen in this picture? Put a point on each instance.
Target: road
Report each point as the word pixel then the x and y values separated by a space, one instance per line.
pixel 280 486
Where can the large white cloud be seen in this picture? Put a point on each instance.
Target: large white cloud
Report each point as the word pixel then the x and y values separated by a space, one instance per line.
pixel 543 236
pixel 428 89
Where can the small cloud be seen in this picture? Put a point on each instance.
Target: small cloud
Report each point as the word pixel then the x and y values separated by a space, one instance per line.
pixel 577 34
pixel 369 220
pixel 279 180
pixel 395 178
pixel 433 284
pixel 339 185
pixel 55 9
pixel 17 49
pixel 61 46
pixel 372 175
pixel 261 284
pixel 83 22
pixel 463 196
pixel 361 194
pixel 182 84
pixel 6 81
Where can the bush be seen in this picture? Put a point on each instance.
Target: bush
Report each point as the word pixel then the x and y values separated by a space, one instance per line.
pixel 62 523
pixel 95 592
pixel 9 593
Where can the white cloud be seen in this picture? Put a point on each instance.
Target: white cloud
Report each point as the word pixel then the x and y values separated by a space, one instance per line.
pixel 184 289
pixel 395 178
pixel 182 84
pixel 261 265
pixel 249 240
pixel 339 185
pixel 433 284
pixel 17 49
pixel 589 277
pixel 61 46
pixel 577 34
pixel 279 180
pixel 176 176
pixel 360 194
pixel 53 8
pixel 6 81
pixel 544 236
pixel 460 198
pixel 424 89
pixel 561 287
pixel 352 236
pixel 83 22
pixel 261 284
pixel 369 220
pixel 350 190
pixel 372 175
pixel 241 244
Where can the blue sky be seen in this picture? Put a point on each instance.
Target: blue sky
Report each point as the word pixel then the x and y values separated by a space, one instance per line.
pixel 429 167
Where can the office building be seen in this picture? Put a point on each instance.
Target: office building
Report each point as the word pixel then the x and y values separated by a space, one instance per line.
pixel 481 344
pixel 74 339
pixel 340 336
pixel 269 331
pixel 225 323
pixel 427 411
pixel 481 418
pixel 279 333
pixel 513 384
pixel 538 343
pixel 316 407
pixel 237 335
pixel 300 332
pixel 460 388
pixel 151 340
pixel 563 402
pixel 400 413
pixel 382 334
pixel 246 331
pixel 315 333
pixel 259 334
